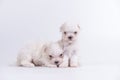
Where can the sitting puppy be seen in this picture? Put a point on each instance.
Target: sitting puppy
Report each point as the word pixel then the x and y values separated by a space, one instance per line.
pixel 69 43
pixel 41 54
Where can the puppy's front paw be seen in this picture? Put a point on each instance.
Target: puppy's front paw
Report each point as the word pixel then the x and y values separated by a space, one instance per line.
pixel 74 65
pixel 63 65
pixel 52 66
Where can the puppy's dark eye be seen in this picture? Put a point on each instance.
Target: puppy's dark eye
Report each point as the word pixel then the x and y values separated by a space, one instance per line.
pixel 75 32
pixel 65 33
pixel 50 56
pixel 61 55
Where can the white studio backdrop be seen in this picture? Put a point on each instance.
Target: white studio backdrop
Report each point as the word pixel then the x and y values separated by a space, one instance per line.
pixel 30 20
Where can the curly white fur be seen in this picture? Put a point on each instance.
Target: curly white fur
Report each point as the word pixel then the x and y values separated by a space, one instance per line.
pixel 69 42
pixel 40 54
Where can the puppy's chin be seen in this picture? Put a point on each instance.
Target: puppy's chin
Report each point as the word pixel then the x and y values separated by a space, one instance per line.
pixel 70 41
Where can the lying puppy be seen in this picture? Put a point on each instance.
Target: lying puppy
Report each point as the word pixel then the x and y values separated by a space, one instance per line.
pixel 69 42
pixel 41 54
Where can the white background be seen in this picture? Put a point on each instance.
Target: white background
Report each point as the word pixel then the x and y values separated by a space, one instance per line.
pixel 23 21
pixel 30 20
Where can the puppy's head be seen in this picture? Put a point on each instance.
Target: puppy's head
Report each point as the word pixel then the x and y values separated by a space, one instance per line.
pixel 54 54
pixel 69 32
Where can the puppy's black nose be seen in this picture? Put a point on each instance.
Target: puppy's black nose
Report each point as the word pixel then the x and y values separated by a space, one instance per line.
pixel 70 37
pixel 56 62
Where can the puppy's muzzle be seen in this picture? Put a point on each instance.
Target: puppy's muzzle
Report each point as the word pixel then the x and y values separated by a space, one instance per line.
pixel 70 37
pixel 56 62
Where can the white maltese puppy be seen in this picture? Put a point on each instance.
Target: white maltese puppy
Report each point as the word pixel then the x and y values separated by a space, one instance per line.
pixel 41 54
pixel 69 42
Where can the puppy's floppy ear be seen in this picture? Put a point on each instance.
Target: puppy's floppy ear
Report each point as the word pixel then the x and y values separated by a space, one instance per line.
pixel 62 26
pixel 78 26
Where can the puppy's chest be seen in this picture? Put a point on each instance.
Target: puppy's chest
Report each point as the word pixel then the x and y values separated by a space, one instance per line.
pixel 70 50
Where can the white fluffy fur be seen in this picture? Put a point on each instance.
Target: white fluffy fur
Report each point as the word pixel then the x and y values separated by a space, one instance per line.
pixel 39 55
pixel 70 46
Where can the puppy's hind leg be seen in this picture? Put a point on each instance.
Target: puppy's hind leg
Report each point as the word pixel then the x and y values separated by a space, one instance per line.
pixel 27 64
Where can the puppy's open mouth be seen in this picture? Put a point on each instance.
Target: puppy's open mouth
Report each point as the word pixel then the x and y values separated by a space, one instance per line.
pixel 57 65
pixel 70 41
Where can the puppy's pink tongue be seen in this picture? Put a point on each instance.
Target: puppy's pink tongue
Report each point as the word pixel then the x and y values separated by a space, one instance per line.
pixel 57 65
